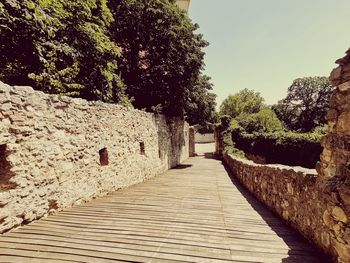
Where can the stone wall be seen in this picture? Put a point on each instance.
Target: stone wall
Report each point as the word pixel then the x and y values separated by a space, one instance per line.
pixel 192 143
pixel 219 144
pixel 204 138
pixel 56 151
pixel 298 196
pixel 317 204
pixel 336 154
pixel 334 167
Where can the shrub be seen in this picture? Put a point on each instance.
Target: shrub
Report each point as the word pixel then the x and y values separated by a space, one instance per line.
pixel 224 131
pixel 322 129
pixel 288 148
pixel 229 145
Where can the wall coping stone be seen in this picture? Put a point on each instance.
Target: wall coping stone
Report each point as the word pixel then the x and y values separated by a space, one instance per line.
pixel 297 169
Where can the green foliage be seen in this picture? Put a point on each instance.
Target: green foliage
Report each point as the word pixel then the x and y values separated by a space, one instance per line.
pixel 321 130
pixel 289 148
pixel 206 128
pixel 263 121
pixel 306 104
pixel 200 103
pixel 234 124
pixel 162 57
pixel 225 132
pixel 60 47
pixel 225 121
pixel 85 48
pixel 243 103
pixel 229 145
pixel 247 110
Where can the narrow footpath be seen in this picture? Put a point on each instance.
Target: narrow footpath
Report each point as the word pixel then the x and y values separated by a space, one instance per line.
pixel 195 213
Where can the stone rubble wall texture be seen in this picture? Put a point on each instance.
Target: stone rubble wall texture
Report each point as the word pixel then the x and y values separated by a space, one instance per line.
pixel 317 204
pixel 204 138
pixel 50 151
pixel 192 143
pixel 298 196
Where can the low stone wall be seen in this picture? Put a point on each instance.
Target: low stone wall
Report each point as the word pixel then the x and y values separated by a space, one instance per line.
pixel 303 200
pixel 204 138
pixel 56 151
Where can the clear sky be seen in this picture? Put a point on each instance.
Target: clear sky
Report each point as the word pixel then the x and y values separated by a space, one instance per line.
pixel 265 44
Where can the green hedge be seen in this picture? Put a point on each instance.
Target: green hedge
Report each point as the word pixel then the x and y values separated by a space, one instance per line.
pixel 293 149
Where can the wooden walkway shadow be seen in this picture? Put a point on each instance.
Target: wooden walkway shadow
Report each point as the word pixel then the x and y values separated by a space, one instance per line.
pixel 192 214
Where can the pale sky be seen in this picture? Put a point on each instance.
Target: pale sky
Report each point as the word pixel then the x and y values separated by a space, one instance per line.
pixel 265 44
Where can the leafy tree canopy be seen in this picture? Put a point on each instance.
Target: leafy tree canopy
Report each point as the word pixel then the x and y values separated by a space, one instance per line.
pixel 60 47
pixel 264 121
pixel 106 50
pixel 306 104
pixel 244 102
pixel 162 54
pixel 200 104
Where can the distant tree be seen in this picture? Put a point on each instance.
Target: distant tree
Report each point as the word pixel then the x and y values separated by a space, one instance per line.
pixel 306 104
pixel 162 54
pixel 264 121
pixel 200 104
pixel 244 102
pixel 60 46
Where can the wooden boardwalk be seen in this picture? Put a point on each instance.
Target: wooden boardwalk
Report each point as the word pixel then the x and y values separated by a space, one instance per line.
pixel 195 213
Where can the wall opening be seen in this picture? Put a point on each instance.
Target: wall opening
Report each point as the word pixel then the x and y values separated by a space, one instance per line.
pixel 103 157
pixel 5 170
pixel 142 148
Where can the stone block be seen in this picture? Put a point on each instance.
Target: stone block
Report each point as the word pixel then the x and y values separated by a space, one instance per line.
pixel 336 75
pixel 339 214
pixel 343 124
pixel 344 86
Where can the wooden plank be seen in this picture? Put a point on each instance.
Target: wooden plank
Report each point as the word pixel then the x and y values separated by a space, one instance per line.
pixel 197 214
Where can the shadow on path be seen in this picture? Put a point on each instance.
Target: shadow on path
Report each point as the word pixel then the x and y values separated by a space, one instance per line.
pixel 182 166
pixel 287 233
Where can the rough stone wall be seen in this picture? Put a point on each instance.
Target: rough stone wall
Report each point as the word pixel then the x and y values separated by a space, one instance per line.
pixel 336 154
pixel 219 146
pixel 204 138
pixel 192 143
pixel 298 196
pixel 56 151
pixel 334 167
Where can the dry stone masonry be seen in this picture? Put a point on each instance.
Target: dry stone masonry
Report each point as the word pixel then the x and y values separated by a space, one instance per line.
pixel 56 151
pixel 316 204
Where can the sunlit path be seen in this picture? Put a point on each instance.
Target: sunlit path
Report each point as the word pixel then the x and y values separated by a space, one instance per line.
pixel 195 213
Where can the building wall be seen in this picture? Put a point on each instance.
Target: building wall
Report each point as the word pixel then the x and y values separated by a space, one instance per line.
pixel 56 151
pixel 204 138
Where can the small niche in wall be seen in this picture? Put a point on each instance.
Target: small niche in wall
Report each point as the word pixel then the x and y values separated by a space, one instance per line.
pixel 142 148
pixel 5 170
pixel 103 157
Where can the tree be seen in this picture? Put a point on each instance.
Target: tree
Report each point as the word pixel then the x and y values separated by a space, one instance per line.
pixel 60 46
pixel 264 121
pixel 306 104
pixel 162 55
pixel 200 104
pixel 244 102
